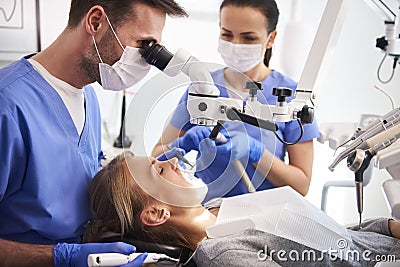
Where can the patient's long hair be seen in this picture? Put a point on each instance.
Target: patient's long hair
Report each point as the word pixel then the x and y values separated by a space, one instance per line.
pixel 117 202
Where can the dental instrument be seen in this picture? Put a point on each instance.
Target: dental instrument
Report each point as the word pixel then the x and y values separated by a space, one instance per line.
pixel 221 139
pixel 181 157
pixel 116 259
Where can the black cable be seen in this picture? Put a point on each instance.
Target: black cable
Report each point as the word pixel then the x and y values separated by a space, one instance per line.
pixel 393 70
pixel 298 139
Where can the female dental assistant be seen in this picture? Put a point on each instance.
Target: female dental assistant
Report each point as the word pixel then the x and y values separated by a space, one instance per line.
pixel 247 33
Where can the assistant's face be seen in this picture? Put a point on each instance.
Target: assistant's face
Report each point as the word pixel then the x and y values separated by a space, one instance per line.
pixel 243 25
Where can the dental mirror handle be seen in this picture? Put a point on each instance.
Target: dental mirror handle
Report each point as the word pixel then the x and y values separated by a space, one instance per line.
pixel 220 138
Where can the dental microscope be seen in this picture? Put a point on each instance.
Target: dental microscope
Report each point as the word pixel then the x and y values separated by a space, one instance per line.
pixel 207 108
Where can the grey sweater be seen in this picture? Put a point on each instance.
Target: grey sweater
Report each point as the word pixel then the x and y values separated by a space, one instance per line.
pixel 256 248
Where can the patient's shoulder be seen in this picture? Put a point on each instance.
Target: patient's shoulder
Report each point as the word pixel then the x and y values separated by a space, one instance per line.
pixel 240 249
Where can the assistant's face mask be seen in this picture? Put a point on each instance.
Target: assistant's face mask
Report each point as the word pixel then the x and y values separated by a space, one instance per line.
pixel 240 57
pixel 126 72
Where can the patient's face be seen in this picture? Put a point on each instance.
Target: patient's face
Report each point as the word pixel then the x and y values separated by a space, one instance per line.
pixel 164 181
pixel 150 168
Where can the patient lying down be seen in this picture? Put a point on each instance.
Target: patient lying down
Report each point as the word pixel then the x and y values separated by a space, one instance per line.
pixel 150 200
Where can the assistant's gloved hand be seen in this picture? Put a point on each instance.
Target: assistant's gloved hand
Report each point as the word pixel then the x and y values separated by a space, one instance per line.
pixel 240 145
pixel 192 138
pixel 76 255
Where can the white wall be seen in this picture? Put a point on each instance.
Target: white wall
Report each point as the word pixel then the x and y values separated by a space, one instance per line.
pixel 343 95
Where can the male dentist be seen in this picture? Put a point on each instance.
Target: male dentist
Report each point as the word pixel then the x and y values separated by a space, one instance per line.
pixel 50 128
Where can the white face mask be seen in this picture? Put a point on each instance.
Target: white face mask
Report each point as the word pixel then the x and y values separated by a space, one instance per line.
pixel 240 57
pixel 126 72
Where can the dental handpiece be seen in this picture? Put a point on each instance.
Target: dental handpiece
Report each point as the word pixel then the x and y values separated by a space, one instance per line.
pixel 378 133
pixel 116 259
pixel 358 162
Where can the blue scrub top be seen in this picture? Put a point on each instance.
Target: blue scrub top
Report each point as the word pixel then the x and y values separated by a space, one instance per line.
pixel 45 166
pixel 218 172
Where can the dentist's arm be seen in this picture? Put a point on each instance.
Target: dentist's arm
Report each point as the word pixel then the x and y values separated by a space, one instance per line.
pixel 168 136
pixel 62 255
pixel 189 140
pixel 20 254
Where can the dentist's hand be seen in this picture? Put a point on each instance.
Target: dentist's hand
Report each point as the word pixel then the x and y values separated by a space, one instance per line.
pixel 170 154
pixel 174 152
pixel 192 138
pixel 76 255
pixel 240 145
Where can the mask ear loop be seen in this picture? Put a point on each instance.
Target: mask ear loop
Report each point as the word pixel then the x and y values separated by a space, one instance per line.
pixel 112 29
pixel 97 50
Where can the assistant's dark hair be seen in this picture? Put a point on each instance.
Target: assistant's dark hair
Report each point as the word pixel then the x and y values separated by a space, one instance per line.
pixel 268 8
pixel 119 11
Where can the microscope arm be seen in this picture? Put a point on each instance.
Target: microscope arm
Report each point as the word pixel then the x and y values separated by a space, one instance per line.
pixel 207 108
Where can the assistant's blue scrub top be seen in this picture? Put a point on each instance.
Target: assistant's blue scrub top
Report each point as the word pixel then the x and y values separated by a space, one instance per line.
pixel 218 172
pixel 45 166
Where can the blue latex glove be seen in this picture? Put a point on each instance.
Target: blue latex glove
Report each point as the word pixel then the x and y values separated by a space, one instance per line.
pixel 240 145
pixel 75 255
pixel 192 138
pixel 173 153
pixel 170 154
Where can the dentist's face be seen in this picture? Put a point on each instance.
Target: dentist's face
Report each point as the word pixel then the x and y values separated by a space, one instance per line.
pixel 163 181
pixel 145 26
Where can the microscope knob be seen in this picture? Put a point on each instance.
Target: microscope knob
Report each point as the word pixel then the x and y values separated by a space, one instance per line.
pixel 281 93
pixel 306 114
pixel 382 43
pixel 203 106
pixel 253 87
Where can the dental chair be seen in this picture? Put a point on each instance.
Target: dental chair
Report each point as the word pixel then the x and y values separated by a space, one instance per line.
pixel 182 253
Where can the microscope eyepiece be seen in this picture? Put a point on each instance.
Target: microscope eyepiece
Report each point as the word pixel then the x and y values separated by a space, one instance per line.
pixel 156 55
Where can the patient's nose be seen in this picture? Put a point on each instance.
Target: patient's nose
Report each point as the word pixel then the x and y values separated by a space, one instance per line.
pixel 174 163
